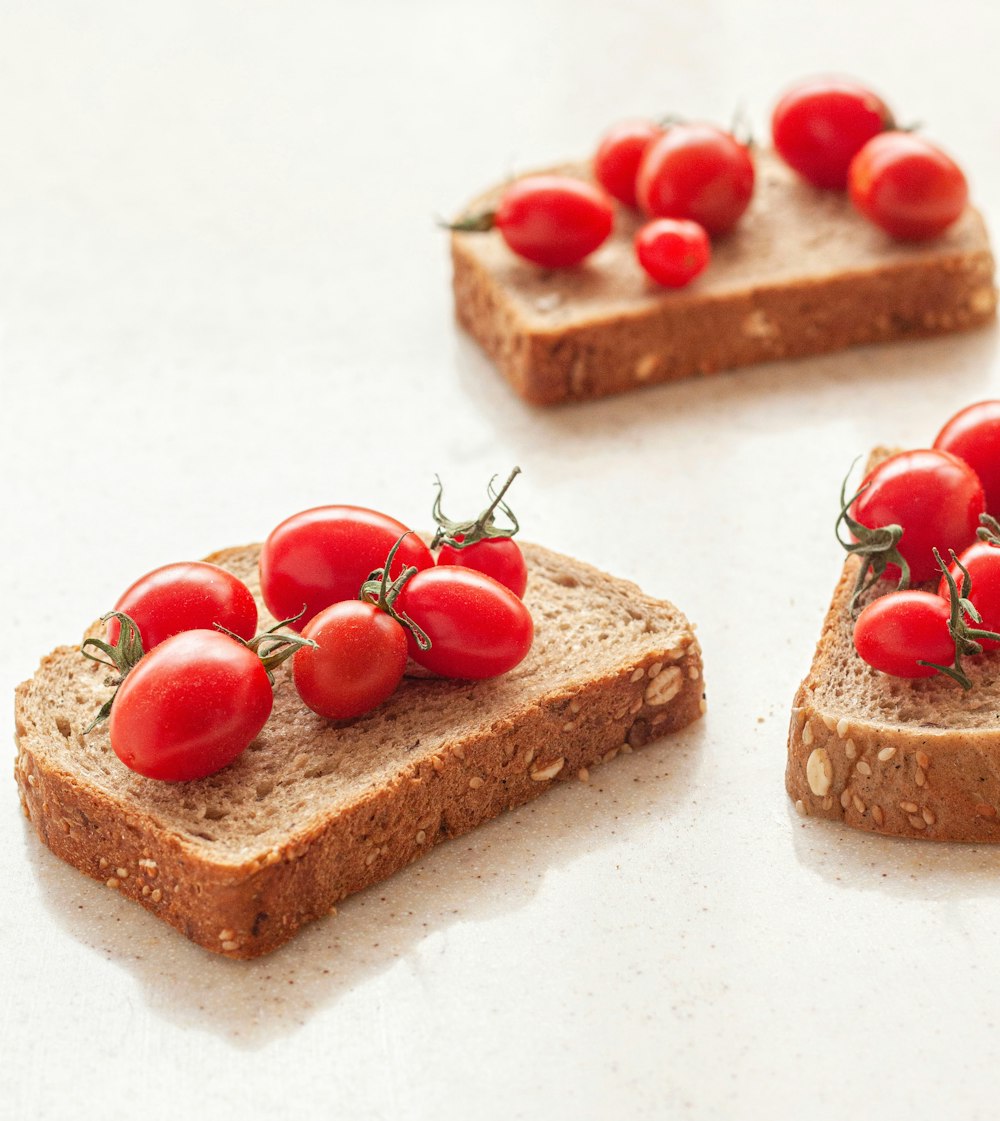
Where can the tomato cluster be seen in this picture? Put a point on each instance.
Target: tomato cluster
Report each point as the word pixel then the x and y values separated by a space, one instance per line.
pixel 693 182
pixel 838 134
pixel 913 510
pixel 367 593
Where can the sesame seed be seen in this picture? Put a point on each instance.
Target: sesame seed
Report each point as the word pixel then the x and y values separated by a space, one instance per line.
pixel 583 774
pixel 829 723
pixel 122 873
pixel 694 673
pixel 638 674
pixel 923 760
pixel 928 815
pixel 458 751
pixel 112 882
pixel 654 669
pixel 859 805
pixel 878 815
pixel 475 782
pixel 157 895
pixel 850 749
pixel 421 836
pixel 845 799
pixel 371 858
pixel 103 862
pixel 908 807
pixel 703 706
pixel 828 802
pixel 807 735
pixel 145 889
pixel 226 935
pixel 800 808
pixel 230 945
pixel 886 754
pixel 528 756
pixel 842 727
pixel 574 705
pixel 609 755
pixel 920 778
pixel 543 774
pixel 917 822
pixel 635 705
pixel 569 726
pixel 862 768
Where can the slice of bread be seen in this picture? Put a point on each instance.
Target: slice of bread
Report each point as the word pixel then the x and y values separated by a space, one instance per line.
pixel 802 273
pixel 314 811
pixel 911 758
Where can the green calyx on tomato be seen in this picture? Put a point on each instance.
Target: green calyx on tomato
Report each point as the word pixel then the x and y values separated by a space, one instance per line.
pixel 877 547
pixel 461 535
pixel 381 592
pixel 967 639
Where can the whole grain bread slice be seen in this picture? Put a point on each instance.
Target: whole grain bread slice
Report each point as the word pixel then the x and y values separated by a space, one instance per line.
pixel 910 758
pixel 802 273
pixel 314 811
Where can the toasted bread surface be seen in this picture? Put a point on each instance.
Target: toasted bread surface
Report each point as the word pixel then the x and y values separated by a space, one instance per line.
pixel 911 758
pixel 802 273
pixel 314 811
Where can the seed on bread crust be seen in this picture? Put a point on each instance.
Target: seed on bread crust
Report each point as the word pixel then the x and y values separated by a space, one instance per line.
pixel 819 772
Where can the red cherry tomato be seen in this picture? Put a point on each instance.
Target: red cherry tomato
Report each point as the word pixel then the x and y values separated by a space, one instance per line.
pixel 982 562
pixel 898 630
pixel 190 595
pixel 190 706
pixel 477 627
pixel 698 172
pixel 358 660
pixel 936 498
pixel 499 557
pixel 974 435
pixel 821 124
pixel 324 555
pixel 907 186
pixel 673 251
pixel 553 220
pixel 616 162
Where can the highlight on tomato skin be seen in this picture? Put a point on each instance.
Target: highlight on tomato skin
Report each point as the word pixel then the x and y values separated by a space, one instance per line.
pixel 820 124
pixel 973 434
pixel 897 631
pixel 907 186
pixel 187 595
pixel 323 555
pixel 190 707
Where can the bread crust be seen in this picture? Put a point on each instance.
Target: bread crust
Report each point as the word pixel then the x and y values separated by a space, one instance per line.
pixel 801 274
pixel 889 755
pixel 253 898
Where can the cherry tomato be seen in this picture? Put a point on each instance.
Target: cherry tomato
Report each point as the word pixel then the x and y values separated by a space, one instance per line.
pixel 934 496
pixel 673 251
pixel 821 124
pixel 190 706
pixel 898 630
pixel 553 220
pixel 698 172
pixel 907 186
pixel 616 162
pixel 477 627
pixel 982 562
pixel 358 660
pixel 189 595
pixel 324 555
pixel 499 557
pixel 974 435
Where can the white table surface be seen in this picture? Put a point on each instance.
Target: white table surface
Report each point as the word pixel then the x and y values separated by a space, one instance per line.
pixel 223 299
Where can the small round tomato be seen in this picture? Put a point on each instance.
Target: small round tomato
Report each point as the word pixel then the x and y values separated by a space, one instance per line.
pixel 553 220
pixel 698 172
pixel 934 496
pixel 974 436
pixel 821 124
pixel 907 186
pixel 982 561
pixel 190 706
pixel 673 251
pixel 898 631
pixel 498 557
pixel 477 627
pixel 358 660
pixel 189 595
pixel 324 555
pixel 616 162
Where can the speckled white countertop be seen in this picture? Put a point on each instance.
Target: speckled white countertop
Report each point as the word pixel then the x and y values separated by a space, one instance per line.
pixel 223 298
